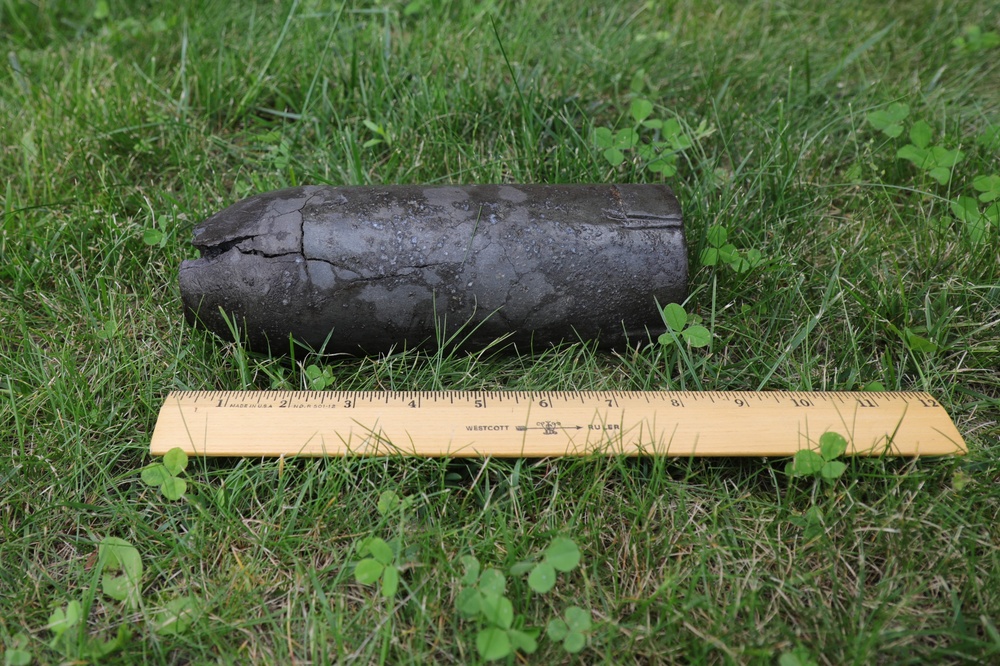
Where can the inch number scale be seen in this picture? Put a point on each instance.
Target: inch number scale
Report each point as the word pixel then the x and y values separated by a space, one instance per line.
pixel 549 423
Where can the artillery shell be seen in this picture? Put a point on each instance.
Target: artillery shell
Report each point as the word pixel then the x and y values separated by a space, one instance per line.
pixel 370 269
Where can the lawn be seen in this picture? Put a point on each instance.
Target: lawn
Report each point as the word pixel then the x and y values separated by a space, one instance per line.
pixel 848 149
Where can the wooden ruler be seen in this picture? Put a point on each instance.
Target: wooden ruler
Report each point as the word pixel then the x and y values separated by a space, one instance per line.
pixel 549 423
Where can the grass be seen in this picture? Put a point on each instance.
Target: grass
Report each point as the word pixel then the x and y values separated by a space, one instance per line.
pixel 121 117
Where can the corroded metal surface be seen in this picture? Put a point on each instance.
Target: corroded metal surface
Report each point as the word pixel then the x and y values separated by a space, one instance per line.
pixel 369 269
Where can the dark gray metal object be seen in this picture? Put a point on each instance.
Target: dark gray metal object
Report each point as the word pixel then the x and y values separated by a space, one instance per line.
pixel 369 269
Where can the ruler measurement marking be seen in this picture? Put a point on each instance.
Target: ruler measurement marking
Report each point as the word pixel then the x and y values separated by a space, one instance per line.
pixel 550 423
